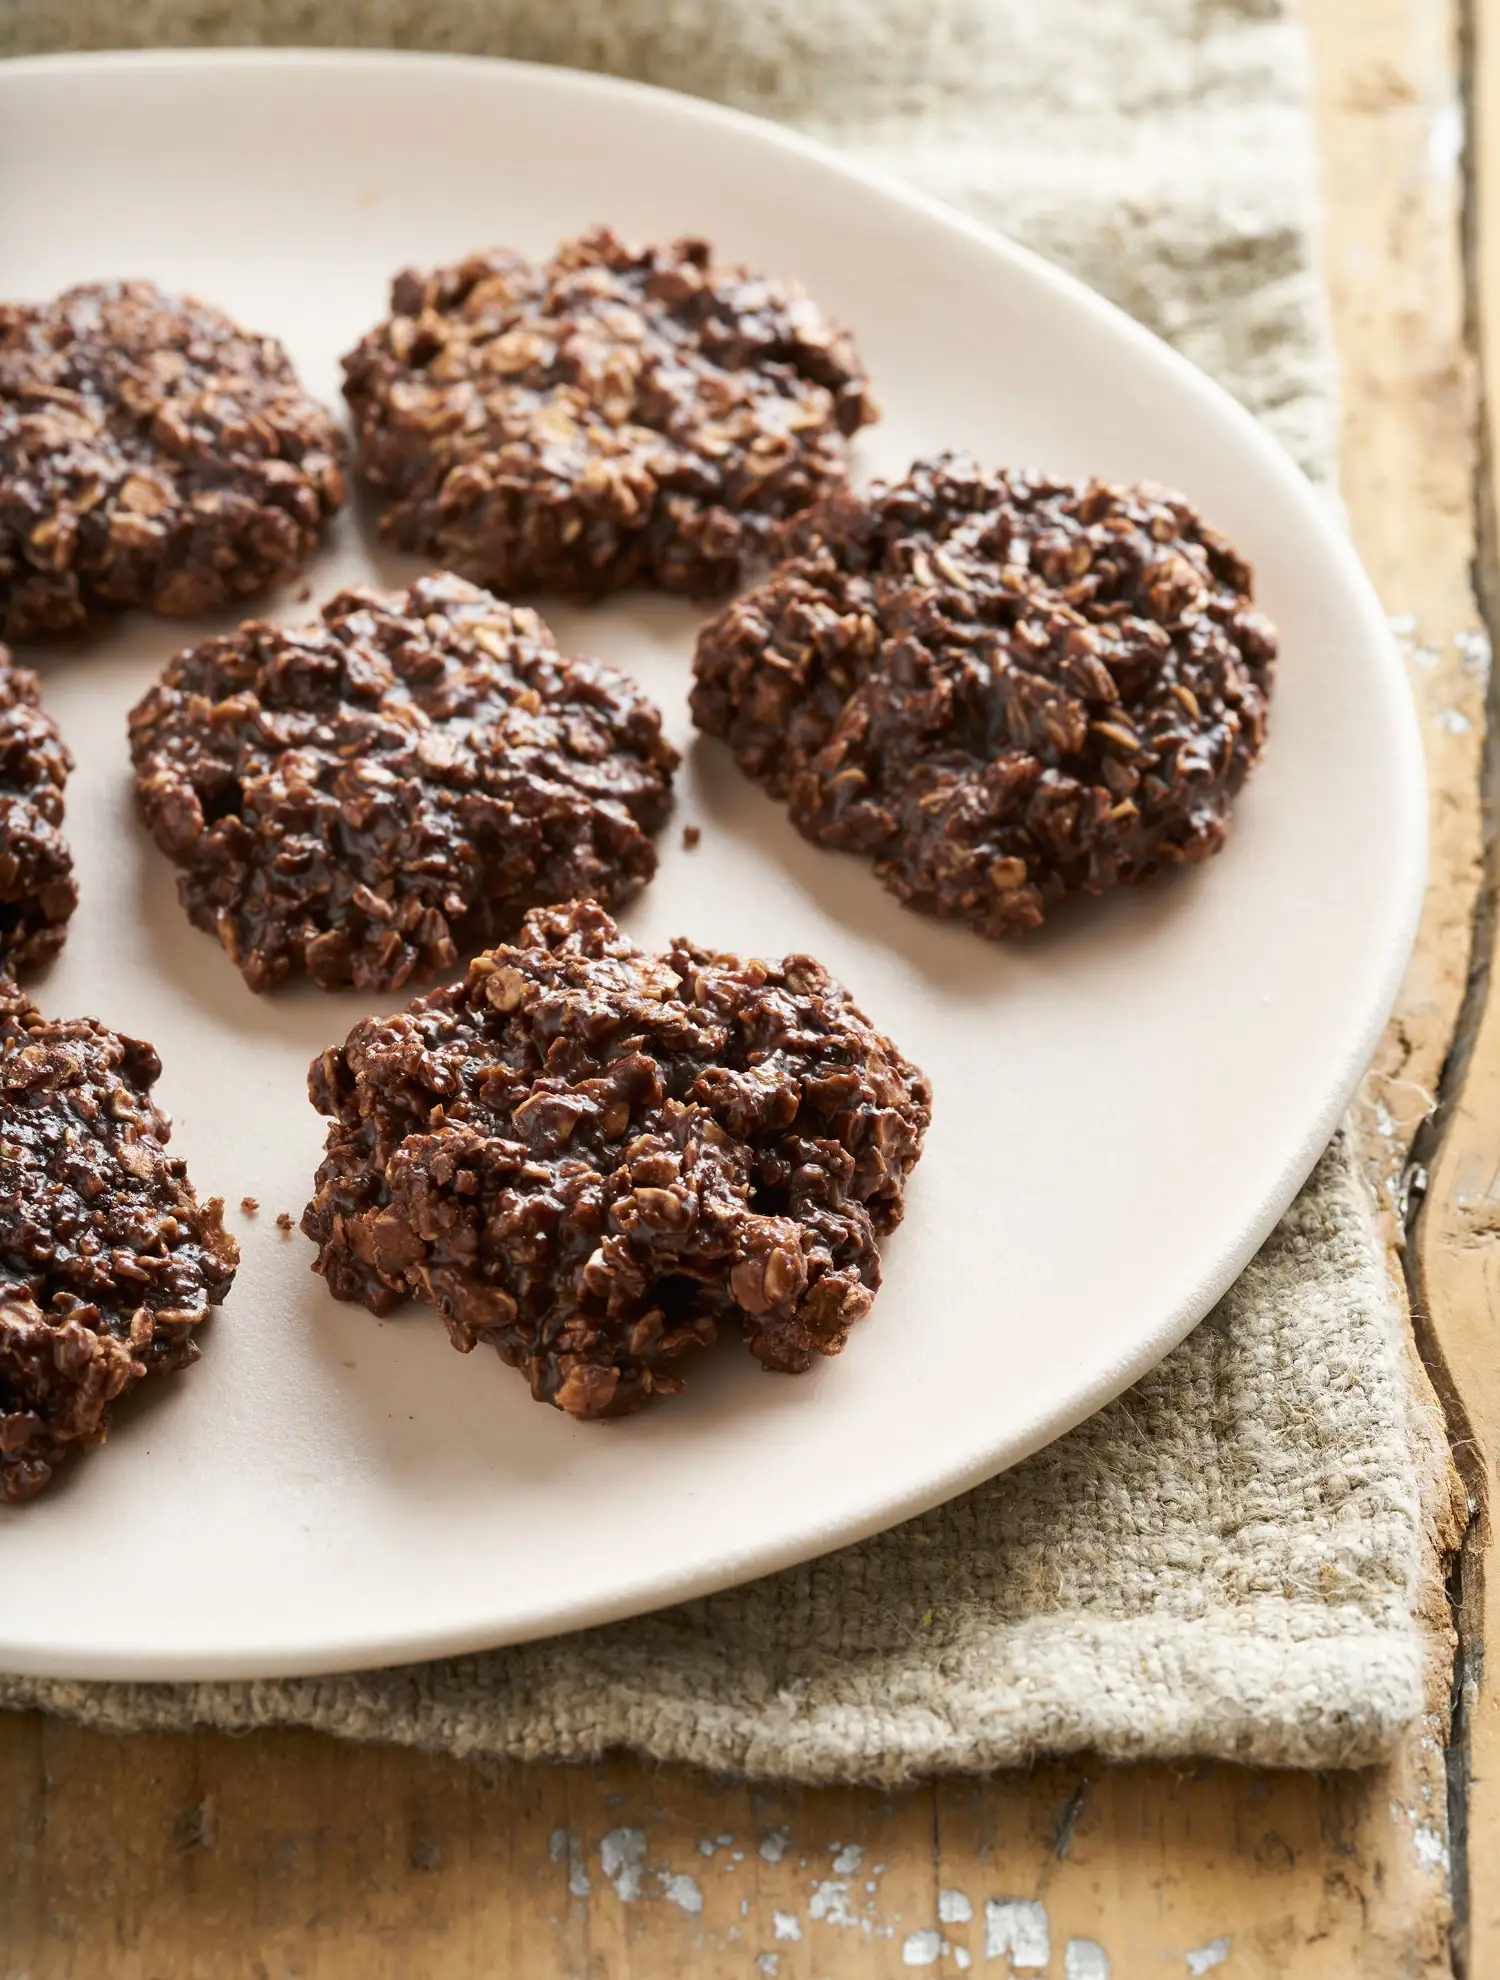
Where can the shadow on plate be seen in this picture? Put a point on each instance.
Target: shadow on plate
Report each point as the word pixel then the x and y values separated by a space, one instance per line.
pixel 843 886
pixel 422 1410
pixel 142 1412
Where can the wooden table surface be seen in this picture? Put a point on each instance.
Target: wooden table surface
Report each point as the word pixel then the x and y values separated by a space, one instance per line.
pixel 285 1854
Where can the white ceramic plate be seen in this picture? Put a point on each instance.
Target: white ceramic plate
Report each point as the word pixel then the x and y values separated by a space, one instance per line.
pixel 1123 1106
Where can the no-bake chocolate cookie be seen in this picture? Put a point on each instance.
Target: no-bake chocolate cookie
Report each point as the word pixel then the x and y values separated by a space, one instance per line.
pixel 612 416
pixel 594 1158
pixel 152 453
pixel 108 1261
pixel 37 889
pixel 374 794
pixel 1005 689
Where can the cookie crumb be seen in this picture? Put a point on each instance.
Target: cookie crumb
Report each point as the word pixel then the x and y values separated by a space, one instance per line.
pixel 691 836
pixel 284 1220
pixel 249 1204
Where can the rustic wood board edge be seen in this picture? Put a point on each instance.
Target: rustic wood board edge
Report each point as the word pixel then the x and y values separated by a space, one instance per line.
pixel 1454 1257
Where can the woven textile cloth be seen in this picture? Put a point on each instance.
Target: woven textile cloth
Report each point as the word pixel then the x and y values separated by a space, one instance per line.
pixel 1225 1562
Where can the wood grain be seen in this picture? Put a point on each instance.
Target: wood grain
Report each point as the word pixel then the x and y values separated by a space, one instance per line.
pixel 1458 1233
pixel 283 1854
pixel 181 1858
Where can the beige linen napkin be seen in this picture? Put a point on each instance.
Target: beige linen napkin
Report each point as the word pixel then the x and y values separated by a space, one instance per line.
pixel 1225 1561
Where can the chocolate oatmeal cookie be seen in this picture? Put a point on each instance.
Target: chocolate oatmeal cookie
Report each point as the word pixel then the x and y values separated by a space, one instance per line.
pixel 594 1158
pixel 152 453
pixel 37 889
pixel 375 794
pixel 107 1259
pixel 1006 689
pixel 613 416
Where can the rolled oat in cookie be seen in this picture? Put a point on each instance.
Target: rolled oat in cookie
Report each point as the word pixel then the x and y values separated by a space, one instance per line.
pixel 595 1158
pixel 612 416
pixel 1005 689
pixel 152 453
pixel 37 890
pixel 108 1261
pixel 371 796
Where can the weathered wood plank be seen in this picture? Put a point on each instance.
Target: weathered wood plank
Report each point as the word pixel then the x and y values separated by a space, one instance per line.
pixel 1458 1234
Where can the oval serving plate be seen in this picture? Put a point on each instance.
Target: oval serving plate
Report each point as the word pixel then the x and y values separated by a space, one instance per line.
pixel 1124 1106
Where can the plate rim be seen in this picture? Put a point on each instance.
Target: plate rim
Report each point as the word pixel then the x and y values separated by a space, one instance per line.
pixel 1407 793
